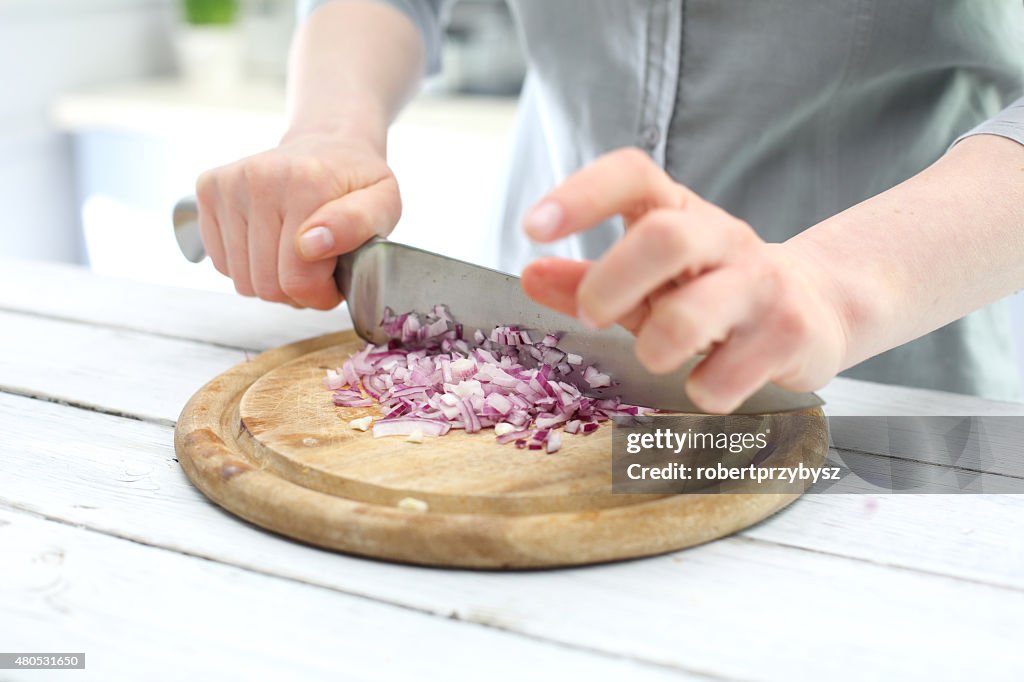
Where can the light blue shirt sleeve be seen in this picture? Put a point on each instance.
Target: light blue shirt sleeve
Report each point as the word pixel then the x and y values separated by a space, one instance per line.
pixel 1007 123
pixel 425 14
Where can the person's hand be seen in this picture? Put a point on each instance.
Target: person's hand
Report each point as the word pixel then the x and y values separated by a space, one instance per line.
pixel 686 278
pixel 276 222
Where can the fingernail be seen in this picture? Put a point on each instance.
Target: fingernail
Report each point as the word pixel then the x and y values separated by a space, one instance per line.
pixel 316 243
pixel 582 316
pixel 543 220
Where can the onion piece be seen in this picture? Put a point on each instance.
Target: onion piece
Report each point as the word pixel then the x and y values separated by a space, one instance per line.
pixel 361 424
pixel 596 379
pixel 406 426
pixel 333 380
pixel 413 504
pixel 501 428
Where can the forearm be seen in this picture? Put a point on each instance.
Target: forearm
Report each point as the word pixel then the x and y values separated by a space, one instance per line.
pixel 353 65
pixel 926 252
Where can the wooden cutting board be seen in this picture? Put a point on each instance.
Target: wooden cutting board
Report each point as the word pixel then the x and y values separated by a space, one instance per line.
pixel 264 441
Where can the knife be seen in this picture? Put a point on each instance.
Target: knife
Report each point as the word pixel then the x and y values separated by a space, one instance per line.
pixel 384 274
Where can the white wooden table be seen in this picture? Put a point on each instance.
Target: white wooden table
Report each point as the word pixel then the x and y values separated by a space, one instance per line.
pixel 106 548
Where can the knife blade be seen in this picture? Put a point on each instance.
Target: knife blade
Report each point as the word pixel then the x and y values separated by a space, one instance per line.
pixel 384 274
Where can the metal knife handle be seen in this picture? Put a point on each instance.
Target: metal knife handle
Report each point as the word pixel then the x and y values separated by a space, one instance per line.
pixel 186 233
pixel 186 229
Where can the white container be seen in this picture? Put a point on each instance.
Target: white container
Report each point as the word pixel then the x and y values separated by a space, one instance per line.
pixel 210 58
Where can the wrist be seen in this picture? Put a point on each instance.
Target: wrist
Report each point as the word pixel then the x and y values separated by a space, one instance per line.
pixel 362 124
pixel 850 306
pixel 862 295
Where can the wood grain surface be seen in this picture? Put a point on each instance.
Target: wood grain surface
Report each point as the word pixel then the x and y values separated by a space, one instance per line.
pixel 264 441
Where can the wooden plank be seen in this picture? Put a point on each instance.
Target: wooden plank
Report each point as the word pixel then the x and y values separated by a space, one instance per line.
pixel 856 618
pixel 114 370
pixel 73 293
pixel 143 613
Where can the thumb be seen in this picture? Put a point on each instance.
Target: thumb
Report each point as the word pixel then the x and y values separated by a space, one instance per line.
pixel 343 224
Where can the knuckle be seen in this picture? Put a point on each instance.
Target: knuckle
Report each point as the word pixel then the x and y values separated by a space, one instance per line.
pixel 261 171
pixel 355 217
pixel 743 227
pixel 676 324
pixel 741 232
pixel 665 235
pixel 768 277
pixel 633 159
pixel 393 204
pixel 777 296
pixel 206 187
pixel 307 173
pixel 790 323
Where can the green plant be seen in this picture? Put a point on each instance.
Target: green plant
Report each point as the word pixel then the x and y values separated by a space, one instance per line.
pixel 211 12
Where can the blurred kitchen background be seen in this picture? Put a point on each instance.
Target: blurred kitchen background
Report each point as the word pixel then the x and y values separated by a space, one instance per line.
pixel 111 108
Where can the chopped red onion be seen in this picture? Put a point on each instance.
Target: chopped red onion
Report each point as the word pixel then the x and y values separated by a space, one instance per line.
pixel 428 380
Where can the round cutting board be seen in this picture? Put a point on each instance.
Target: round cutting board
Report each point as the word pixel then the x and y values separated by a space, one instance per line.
pixel 265 441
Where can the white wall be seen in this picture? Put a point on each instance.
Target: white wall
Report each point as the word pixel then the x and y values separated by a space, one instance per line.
pixel 48 47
